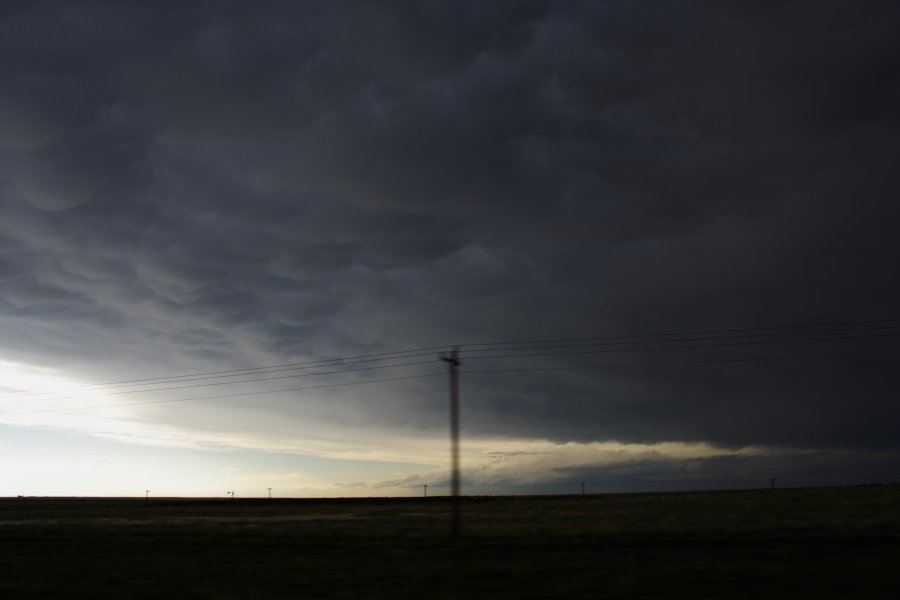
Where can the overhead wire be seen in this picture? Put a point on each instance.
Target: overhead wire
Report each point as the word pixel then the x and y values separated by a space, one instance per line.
pixel 626 340
pixel 679 346
pixel 685 347
pixel 506 350
pixel 468 372
pixel 696 332
pixel 267 370
pixel 220 396
pixel 198 385
pixel 484 347
pixel 412 353
pixel 683 363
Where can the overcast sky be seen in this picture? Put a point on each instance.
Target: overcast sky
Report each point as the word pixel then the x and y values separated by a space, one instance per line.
pixel 198 187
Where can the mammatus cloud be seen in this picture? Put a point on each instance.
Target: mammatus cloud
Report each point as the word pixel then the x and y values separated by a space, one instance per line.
pixel 196 188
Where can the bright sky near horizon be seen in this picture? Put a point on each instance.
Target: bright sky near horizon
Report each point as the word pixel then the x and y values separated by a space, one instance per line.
pixel 235 239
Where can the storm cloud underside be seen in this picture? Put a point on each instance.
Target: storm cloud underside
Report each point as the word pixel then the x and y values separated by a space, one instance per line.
pixel 199 186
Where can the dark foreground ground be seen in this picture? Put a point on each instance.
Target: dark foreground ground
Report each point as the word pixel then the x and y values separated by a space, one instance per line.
pixel 810 543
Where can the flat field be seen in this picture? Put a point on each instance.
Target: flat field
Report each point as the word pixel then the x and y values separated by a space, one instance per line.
pixel 802 543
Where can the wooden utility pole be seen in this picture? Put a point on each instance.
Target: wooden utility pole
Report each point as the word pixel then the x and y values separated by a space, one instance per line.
pixel 453 363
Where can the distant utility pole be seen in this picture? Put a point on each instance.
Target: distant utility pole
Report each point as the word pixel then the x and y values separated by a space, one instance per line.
pixel 146 497
pixel 425 493
pixel 772 480
pixel 232 493
pixel 270 493
pixel 453 361
pixel 582 488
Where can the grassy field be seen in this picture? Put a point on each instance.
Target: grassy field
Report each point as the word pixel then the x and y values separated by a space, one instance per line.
pixel 806 543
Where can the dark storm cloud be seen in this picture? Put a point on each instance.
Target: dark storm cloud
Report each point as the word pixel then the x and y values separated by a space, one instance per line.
pixel 197 182
pixel 793 469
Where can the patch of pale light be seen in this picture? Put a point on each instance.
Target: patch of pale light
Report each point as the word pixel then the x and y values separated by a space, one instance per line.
pixel 41 397
pixel 494 463
pixel 74 476
pixel 311 438
pixel 37 396
pixel 488 464
pixel 18 381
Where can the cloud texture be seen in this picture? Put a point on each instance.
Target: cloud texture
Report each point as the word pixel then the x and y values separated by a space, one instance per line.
pixel 197 186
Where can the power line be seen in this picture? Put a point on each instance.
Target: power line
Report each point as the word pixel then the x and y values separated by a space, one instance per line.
pixel 562 343
pixel 155 387
pixel 631 341
pixel 470 372
pixel 413 353
pixel 220 396
pixel 267 370
pixel 685 363
pixel 183 387
pixel 694 332
pixel 683 347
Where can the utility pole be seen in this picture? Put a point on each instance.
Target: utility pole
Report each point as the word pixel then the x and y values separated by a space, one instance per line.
pixel 453 363
pixel 425 493
pixel 270 493
pixel 773 480
pixel 146 497
pixel 582 488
